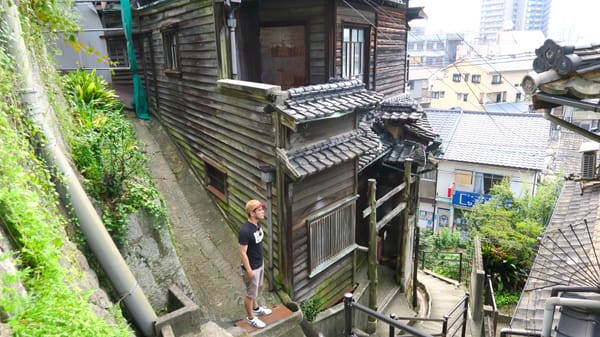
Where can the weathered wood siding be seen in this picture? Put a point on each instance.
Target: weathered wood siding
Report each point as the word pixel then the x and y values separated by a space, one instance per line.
pixel 310 195
pixel 312 14
pixel 224 122
pixel 390 71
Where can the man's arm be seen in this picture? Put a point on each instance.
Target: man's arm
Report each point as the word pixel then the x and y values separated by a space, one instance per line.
pixel 245 260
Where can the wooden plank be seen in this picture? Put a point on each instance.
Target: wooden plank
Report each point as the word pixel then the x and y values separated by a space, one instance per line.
pixel 385 198
pixel 388 217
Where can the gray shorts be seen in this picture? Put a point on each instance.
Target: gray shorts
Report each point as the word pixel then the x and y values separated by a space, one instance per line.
pixel 253 284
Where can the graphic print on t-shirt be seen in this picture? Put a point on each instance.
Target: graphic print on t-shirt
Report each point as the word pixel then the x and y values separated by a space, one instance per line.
pixel 258 235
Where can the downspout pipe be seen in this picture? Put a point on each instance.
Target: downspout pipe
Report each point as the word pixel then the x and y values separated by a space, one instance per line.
pixel 91 225
pixel 568 302
pixel 232 5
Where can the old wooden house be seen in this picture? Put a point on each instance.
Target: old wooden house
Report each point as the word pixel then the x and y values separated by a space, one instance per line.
pixel 251 86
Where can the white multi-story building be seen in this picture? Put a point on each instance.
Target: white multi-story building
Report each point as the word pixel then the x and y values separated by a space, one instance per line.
pixel 502 15
pixel 478 150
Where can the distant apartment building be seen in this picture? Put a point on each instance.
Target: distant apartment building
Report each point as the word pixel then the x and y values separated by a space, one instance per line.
pixel 504 15
pixel 474 82
pixel 432 50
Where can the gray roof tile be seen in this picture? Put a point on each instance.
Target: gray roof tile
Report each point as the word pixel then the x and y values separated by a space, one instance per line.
pixel 562 260
pixel 500 139
pixel 324 100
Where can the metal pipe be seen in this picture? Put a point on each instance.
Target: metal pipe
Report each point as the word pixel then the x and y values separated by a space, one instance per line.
pixel 232 24
pixel 568 302
pixel 270 224
pixel 92 227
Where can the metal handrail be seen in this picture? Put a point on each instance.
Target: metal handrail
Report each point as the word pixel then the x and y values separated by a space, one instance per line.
pixel 349 303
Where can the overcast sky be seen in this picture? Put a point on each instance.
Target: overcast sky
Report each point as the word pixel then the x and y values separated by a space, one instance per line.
pixel 570 20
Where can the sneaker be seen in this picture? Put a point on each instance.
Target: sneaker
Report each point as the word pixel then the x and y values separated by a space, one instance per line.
pixel 262 311
pixel 255 322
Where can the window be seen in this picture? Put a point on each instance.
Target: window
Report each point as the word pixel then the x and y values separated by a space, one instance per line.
pixel 466 77
pixel 429 175
pixel 476 78
pixel 462 177
pixel 518 97
pixel 117 51
pixel 456 77
pixel 353 53
pixel 331 234
pixel 465 97
pixel 489 180
pixel 216 179
pixel 437 94
pixel 496 79
pixel 171 49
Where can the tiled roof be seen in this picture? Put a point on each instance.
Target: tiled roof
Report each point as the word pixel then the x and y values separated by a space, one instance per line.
pixel 377 151
pixel 562 260
pixel 403 111
pixel 334 151
pixel 499 139
pixel 327 100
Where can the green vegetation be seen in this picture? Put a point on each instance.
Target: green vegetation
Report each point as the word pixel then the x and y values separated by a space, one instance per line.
pixel 108 155
pixel 51 302
pixel 441 252
pixel 509 227
pixel 310 308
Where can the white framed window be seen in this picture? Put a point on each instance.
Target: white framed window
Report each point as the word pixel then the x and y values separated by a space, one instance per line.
pixel 331 234
pixel 354 44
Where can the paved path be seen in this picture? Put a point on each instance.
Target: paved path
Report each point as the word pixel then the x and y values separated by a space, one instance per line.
pixel 443 298
pixel 207 248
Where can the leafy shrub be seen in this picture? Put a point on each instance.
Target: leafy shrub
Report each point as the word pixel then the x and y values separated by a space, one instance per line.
pixel 106 152
pixel 310 308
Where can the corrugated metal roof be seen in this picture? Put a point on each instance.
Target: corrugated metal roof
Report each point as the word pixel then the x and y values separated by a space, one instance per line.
pixel 500 139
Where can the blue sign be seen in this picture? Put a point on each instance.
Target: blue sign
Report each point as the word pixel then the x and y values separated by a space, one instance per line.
pixel 468 199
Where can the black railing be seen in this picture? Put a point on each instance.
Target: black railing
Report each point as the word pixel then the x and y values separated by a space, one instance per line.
pixel 349 304
pixel 452 323
pixel 449 264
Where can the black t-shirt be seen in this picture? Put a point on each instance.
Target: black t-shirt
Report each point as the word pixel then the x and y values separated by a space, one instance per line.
pixel 252 236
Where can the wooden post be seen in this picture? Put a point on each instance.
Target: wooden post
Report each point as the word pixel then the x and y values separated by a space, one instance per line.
pixel 403 231
pixel 372 257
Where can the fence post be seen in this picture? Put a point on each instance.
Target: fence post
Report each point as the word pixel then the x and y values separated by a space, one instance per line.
pixel 348 314
pixel 372 256
pixel 445 326
pixel 392 329
pixel 465 315
pixel 460 257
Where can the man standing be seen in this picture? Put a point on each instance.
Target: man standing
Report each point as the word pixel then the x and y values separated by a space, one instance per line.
pixel 251 253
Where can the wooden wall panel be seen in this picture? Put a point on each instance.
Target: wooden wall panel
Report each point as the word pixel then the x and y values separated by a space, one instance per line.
pixel 228 126
pixel 390 71
pixel 312 14
pixel 310 195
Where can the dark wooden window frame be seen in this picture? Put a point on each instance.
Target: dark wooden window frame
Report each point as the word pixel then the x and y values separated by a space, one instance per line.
pixel 476 78
pixel 216 179
pixel 497 79
pixel 171 55
pixel 456 77
pixel 366 49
